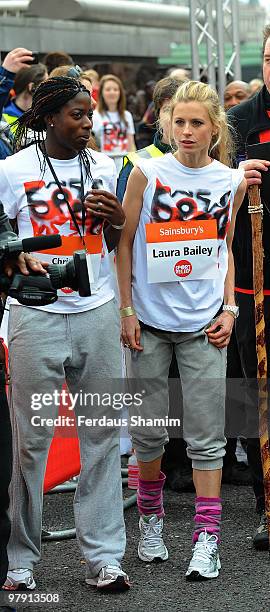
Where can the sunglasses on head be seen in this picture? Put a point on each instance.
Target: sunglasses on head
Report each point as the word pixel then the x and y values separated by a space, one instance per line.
pixel 75 72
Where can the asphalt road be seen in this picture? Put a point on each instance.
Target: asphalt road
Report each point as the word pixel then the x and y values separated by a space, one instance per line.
pixel 243 584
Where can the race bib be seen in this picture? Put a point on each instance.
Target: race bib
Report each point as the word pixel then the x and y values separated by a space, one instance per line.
pixel 181 251
pixel 64 253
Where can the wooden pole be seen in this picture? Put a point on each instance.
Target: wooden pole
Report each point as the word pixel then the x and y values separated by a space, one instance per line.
pixel 256 211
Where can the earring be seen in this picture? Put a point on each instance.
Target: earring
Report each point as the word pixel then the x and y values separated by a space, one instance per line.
pixel 51 124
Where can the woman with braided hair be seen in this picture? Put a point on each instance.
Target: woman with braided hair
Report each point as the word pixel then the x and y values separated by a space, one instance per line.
pixel 44 188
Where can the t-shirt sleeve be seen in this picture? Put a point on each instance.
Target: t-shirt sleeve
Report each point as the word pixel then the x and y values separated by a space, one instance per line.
pixel 130 126
pixel 112 178
pixel 146 166
pixel 237 177
pixel 7 195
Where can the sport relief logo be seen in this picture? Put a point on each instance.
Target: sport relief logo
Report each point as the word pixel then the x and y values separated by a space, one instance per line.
pixel 183 268
pixel 66 290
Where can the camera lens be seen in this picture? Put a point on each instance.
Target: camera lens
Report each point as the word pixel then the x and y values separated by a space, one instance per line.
pixel 63 275
pixel 73 274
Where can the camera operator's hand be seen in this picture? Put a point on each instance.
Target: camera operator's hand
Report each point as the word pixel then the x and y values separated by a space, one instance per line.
pixel 106 206
pixel 25 262
pixel 17 59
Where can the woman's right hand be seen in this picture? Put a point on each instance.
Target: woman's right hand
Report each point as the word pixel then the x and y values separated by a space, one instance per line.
pixel 131 333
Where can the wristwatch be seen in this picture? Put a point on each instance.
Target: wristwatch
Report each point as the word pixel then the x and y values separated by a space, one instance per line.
pixel 233 310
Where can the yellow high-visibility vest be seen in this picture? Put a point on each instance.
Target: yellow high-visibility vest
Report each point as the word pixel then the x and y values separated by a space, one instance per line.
pixel 10 119
pixel 134 156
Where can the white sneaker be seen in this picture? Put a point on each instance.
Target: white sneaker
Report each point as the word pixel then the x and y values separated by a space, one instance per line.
pixel 110 578
pixel 205 562
pixel 19 580
pixel 151 546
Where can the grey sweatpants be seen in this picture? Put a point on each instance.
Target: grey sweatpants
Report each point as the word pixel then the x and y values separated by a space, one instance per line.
pixel 45 349
pixel 202 369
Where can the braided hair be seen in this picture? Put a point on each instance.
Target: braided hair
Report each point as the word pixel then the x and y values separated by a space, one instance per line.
pixel 49 97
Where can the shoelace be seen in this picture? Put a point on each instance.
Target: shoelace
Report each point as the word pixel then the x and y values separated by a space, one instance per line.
pixel 152 533
pixel 202 550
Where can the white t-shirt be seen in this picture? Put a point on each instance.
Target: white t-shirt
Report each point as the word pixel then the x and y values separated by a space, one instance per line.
pixel 34 199
pixel 177 193
pixel 112 132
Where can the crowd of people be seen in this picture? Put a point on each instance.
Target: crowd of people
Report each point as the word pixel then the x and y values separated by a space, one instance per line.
pixel 175 213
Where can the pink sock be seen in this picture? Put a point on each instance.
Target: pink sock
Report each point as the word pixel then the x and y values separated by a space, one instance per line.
pixel 207 517
pixel 150 496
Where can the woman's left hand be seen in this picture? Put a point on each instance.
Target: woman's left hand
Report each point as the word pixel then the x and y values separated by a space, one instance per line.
pixel 219 333
pixel 105 205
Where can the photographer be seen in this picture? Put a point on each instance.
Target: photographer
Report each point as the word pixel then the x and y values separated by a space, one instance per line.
pixel 15 60
pixel 75 339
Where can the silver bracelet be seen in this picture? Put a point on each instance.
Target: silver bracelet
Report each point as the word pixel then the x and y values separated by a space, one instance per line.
pixel 119 227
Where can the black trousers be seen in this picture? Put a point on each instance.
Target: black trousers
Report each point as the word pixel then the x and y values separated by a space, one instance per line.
pixel 5 476
pixel 246 340
pixel 235 402
pixel 175 456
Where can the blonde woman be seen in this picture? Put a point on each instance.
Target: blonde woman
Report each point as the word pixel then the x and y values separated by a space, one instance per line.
pixel 176 280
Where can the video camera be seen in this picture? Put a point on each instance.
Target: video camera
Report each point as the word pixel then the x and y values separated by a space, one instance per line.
pixel 37 289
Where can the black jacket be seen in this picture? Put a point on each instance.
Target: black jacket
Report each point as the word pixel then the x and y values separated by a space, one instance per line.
pixel 248 119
